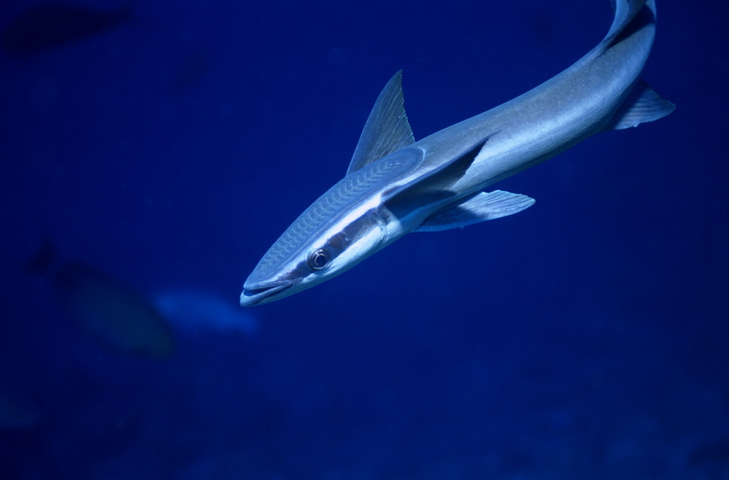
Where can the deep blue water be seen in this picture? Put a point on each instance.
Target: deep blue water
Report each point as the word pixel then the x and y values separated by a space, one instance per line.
pixel 583 338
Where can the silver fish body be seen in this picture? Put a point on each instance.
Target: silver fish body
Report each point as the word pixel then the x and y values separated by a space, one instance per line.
pixel 396 185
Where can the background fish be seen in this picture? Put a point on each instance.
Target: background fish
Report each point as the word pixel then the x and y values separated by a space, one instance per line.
pixel 110 310
pixel 45 26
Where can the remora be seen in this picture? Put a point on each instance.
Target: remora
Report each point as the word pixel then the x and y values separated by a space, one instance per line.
pixel 395 185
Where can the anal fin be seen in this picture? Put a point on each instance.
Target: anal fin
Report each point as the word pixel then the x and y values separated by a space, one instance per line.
pixel 641 106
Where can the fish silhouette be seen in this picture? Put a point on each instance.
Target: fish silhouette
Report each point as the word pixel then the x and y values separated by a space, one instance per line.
pixel 50 25
pixel 109 310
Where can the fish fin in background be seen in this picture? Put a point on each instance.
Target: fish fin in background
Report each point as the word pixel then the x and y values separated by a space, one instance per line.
pixel 45 26
pixel 195 311
pixel 111 311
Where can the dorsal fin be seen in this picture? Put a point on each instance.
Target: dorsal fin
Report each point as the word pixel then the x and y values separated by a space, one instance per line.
pixel 387 129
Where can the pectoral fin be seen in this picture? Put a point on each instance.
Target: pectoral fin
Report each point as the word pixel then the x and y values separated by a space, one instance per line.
pixel 479 208
pixel 432 186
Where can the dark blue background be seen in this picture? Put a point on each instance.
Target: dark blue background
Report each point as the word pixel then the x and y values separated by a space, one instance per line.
pixel 583 338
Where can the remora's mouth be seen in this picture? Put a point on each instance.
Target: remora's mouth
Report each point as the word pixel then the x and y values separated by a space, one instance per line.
pixel 262 292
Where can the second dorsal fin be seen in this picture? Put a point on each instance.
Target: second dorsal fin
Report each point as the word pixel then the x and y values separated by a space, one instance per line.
pixel 642 105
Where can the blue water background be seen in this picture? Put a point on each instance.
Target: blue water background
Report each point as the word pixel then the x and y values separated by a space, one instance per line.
pixel 586 337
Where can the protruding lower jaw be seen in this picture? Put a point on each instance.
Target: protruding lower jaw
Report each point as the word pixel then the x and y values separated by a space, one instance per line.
pixel 257 294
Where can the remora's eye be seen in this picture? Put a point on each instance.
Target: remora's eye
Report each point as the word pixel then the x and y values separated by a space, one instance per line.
pixel 320 258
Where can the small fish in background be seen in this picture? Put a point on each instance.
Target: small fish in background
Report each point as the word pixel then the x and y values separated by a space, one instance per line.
pixel 17 412
pixel 195 311
pixel 113 312
pixel 50 25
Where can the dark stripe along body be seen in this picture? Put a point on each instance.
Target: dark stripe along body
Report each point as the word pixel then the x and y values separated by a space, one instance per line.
pixel 343 197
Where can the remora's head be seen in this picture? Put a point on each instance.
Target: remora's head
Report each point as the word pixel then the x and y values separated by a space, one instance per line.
pixel 340 229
